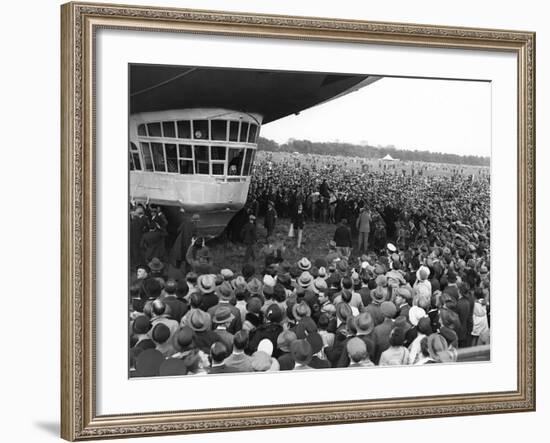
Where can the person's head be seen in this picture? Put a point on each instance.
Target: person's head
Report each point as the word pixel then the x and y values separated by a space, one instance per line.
pixel 191 278
pixel 356 349
pixel 449 319
pixel 478 293
pixel 160 333
pixel 158 307
pixel 347 283
pixel 139 211
pixel 142 272
pixel 323 322
pixel 171 287
pixel 141 325
pixel 218 352
pixel 240 340
pixel 397 337
pixel 346 295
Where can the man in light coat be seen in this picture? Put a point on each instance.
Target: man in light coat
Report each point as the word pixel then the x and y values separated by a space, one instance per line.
pixel 363 226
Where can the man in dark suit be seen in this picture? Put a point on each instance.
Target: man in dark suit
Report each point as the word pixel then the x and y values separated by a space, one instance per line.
pixel 342 237
pixel 270 219
pixel 218 353
pixel 249 235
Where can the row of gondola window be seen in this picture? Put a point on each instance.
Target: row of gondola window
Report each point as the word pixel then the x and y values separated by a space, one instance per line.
pixel 191 159
pixel 222 130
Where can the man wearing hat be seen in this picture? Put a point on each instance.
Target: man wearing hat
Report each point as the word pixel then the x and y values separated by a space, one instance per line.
pixel 378 295
pixel 282 350
pixel 201 323
pixel 403 300
pixel 269 330
pixel 163 339
pixel 342 237
pixel 206 284
pixel 381 333
pixel 159 315
pixel 195 360
pixel 140 329
pixel 364 327
pixel 254 316
pixel 301 352
pixel 221 319
pixel 305 280
pixel 138 226
pixel 203 263
pixel 318 359
pixel 249 236
pixel 304 264
pixel 363 227
pixel 156 267
pixel 422 284
pixel 225 298
pixel 270 219
pixel 333 254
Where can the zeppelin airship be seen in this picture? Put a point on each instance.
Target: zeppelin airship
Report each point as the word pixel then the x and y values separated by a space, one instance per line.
pixel 193 132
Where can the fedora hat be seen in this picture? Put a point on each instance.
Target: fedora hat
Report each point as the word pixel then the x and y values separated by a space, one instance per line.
pixel 305 279
pixel 199 321
pixel 274 313
pixel 364 323
pixel 183 339
pixel 285 339
pixel 223 315
pixel 301 351
pixel 226 273
pixel 156 265
pixel 268 280
pixel 207 283
pixel 301 310
pixel 379 294
pixel 224 291
pixel 141 325
pixel 304 264
pixel 388 309
pixel 316 342
pixel 320 285
pixel 255 286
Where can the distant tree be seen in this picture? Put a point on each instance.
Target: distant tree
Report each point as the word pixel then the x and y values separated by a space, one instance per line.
pixel 369 152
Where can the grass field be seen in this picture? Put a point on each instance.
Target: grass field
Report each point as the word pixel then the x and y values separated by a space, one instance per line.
pixel 315 239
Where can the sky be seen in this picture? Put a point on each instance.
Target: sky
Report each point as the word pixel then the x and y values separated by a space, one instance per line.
pixel 450 116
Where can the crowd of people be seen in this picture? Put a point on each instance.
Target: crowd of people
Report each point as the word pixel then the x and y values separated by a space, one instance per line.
pixel 404 281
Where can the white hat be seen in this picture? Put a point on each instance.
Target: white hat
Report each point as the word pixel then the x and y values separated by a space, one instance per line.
pixel 268 280
pixel 415 314
pixel 266 346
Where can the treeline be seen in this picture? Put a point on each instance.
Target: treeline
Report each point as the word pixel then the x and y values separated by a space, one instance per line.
pixel 370 152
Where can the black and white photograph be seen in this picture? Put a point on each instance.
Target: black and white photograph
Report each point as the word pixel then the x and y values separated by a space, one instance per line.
pixel 290 220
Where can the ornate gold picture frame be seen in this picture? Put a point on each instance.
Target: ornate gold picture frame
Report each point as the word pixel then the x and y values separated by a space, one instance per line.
pixel 80 22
